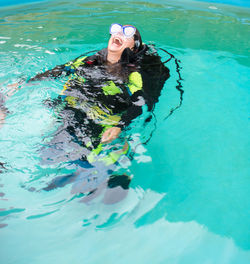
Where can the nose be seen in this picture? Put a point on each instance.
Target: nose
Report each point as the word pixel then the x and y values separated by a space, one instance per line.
pixel 120 33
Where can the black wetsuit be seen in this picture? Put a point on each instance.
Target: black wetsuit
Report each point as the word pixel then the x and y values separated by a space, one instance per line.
pixel 98 95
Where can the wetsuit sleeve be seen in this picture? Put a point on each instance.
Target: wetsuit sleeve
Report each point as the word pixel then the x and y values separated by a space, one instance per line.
pixel 137 100
pixel 71 67
pixel 58 71
pixel 54 73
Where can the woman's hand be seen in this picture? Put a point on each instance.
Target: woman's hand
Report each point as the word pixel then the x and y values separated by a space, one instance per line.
pixel 2 117
pixel 110 134
pixel 12 89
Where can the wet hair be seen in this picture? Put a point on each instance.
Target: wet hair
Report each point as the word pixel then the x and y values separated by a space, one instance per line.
pixel 138 41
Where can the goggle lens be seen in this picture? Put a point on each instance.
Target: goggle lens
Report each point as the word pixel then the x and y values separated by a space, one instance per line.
pixel 115 28
pixel 129 31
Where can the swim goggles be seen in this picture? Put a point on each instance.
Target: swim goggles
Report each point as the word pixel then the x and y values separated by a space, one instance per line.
pixel 128 31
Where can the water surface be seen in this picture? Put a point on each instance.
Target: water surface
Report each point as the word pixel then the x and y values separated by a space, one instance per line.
pixel 188 199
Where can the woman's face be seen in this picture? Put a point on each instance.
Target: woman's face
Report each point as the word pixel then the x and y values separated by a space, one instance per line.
pixel 118 42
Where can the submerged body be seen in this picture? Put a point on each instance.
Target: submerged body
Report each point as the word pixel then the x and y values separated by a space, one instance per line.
pixel 97 96
pixel 104 93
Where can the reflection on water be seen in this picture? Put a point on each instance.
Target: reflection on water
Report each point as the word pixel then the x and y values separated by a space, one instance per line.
pixel 182 197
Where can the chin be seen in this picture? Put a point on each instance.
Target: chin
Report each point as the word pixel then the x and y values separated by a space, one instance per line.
pixel 116 49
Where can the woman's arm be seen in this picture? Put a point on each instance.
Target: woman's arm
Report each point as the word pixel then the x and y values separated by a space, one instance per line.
pixel 58 71
pixel 3 109
pixel 134 110
pixel 145 88
pixel 54 73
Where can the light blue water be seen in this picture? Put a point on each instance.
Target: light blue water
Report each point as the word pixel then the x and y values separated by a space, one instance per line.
pixel 231 2
pixel 188 201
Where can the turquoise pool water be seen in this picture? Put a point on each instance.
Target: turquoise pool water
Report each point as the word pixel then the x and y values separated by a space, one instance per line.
pixel 188 201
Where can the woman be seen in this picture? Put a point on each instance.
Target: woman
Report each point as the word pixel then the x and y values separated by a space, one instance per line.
pixel 114 72
pixel 103 94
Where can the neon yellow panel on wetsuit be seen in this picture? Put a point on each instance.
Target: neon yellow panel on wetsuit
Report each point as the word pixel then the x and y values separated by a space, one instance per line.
pixel 75 64
pixel 96 113
pixel 135 82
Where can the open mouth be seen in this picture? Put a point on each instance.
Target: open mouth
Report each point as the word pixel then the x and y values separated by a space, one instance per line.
pixel 117 41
